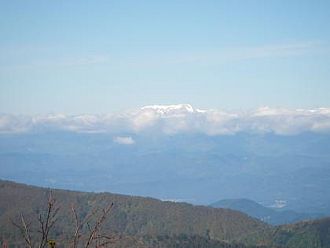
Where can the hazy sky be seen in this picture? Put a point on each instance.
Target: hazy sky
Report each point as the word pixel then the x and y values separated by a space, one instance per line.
pixel 105 56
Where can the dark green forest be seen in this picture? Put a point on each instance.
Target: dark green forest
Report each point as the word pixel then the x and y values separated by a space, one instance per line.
pixel 146 222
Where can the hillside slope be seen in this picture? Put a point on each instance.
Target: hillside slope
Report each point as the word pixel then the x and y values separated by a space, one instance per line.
pixel 306 234
pixel 135 216
pixel 146 222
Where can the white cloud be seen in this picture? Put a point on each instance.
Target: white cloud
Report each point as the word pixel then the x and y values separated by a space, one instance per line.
pixel 14 124
pixel 124 140
pixel 224 55
pixel 181 118
pixel 273 50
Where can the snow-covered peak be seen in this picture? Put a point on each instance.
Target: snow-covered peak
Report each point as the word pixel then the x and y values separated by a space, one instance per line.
pixel 166 109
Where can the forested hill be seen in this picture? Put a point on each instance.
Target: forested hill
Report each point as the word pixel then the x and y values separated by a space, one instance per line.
pixel 130 215
pixel 307 234
pixel 145 222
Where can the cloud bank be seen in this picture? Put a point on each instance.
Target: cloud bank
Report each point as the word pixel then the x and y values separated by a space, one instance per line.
pixel 173 119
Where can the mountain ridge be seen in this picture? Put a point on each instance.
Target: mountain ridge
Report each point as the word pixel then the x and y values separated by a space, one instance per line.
pixel 266 214
pixel 137 216
pixel 147 222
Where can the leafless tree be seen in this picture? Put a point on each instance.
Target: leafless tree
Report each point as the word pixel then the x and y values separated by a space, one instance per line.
pixel 48 220
pixel 24 230
pixel 92 222
pixel 94 235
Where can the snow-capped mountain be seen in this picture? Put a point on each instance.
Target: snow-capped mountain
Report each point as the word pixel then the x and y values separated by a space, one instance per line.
pixel 169 109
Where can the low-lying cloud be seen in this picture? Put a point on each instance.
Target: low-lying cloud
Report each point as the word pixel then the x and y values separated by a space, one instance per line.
pixel 124 140
pixel 173 119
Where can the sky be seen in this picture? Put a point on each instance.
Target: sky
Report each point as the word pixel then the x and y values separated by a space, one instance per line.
pixel 106 56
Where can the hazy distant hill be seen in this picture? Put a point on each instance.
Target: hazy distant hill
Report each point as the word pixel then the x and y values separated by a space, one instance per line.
pixel 194 168
pixel 269 215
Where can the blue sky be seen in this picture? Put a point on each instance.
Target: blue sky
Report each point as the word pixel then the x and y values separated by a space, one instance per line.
pixel 107 56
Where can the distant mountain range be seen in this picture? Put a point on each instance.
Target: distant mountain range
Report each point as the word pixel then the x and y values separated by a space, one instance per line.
pixel 292 170
pixel 266 214
pixel 145 222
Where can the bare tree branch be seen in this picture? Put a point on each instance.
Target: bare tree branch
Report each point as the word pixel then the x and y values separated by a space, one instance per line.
pixel 96 228
pixel 46 221
pixel 24 229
